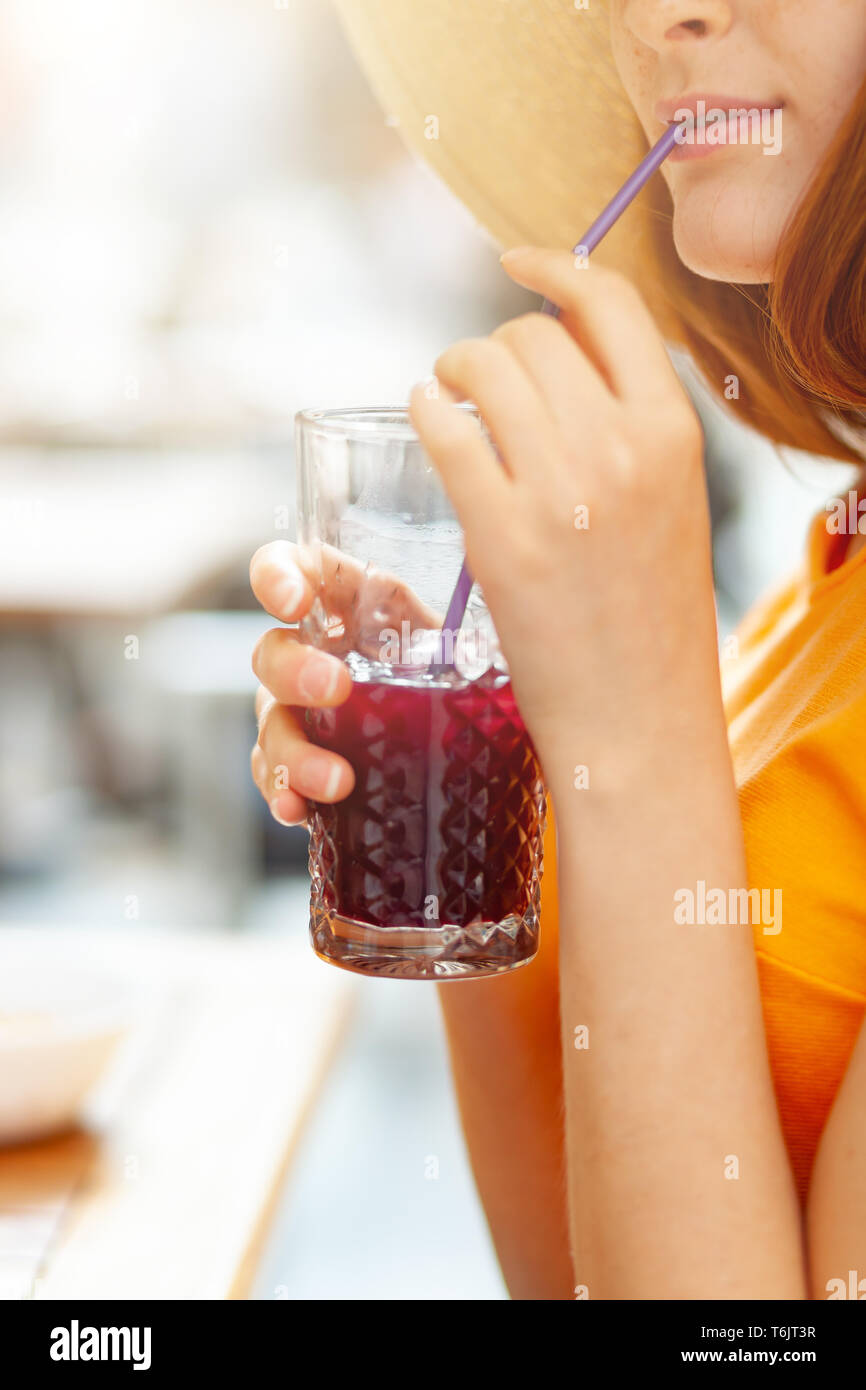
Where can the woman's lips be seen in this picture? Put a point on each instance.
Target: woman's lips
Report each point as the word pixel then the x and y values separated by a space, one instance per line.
pixel 697 149
pixel 704 124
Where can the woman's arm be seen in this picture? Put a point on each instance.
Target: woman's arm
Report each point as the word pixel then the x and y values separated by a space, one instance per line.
pixel 679 1181
pixel 503 1036
pixel 836 1209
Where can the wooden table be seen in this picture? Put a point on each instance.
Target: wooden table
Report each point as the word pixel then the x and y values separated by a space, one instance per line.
pixel 167 1191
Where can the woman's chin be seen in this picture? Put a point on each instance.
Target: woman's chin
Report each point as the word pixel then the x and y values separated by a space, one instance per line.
pixel 721 241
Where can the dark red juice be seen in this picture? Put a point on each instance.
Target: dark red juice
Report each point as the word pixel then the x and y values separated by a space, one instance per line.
pixel 444 827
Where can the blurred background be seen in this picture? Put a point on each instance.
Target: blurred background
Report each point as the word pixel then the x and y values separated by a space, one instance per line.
pixel 207 223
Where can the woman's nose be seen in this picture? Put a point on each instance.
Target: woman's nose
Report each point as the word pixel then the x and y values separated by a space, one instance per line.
pixel 658 23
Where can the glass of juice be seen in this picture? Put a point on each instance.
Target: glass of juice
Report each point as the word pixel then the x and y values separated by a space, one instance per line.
pixel 431 868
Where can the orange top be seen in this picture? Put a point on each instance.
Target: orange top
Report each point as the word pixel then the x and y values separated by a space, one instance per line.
pixel 796 703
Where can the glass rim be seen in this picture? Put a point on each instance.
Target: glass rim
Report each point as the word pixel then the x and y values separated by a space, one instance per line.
pixel 366 419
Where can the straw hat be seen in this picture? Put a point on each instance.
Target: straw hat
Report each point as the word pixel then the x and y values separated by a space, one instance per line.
pixel 516 104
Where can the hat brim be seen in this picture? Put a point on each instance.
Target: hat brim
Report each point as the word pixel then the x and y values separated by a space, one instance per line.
pixel 516 105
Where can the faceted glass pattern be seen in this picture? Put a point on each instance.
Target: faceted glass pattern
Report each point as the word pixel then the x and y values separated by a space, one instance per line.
pixel 431 867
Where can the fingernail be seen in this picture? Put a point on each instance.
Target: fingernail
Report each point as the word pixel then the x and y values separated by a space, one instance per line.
pixel 515 251
pixel 275 812
pixel 332 783
pixel 288 590
pixel 319 778
pixel 317 678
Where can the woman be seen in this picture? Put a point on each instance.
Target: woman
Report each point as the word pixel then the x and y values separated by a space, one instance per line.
pixel 654 1109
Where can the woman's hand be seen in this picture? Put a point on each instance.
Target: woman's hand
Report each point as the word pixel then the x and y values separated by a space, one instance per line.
pixel 293 674
pixel 590 535
pixel 286 769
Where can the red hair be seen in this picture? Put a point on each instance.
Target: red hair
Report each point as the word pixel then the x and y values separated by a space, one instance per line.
pixel 797 346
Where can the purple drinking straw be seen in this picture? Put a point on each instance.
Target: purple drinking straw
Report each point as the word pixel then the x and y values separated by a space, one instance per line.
pixel 599 229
